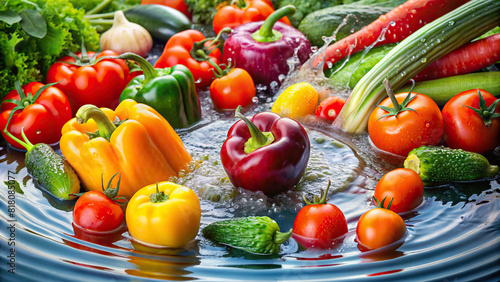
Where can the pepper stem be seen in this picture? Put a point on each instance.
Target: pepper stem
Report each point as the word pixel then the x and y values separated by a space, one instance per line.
pixel 259 138
pixel 280 237
pixel 104 125
pixel 266 33
pixel 148 70
pixel 206 50
pixel 158 197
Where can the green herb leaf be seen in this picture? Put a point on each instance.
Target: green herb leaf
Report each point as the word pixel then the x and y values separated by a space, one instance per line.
pixel 9 17
pixel 33 23
pixel 17 187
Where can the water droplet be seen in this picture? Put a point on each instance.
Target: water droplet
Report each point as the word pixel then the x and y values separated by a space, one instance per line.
pixel 314 49
pixel 198 80
pixel 383 18
pixel 451 22
pixel 352 30
pixel 38 132
pixel 422 39
pixel 95 155
pixel 403 73
pixel 423 60
pixel 255 99
pixel 392 23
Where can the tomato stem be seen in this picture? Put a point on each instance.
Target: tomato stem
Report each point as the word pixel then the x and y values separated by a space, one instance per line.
pixel 397 108
pixel 487 114
pixel 104 125
pixel 317 200
pixel 259 139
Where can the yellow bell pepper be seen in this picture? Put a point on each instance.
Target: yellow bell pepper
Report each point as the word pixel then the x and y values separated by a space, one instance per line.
pixel 144 148
pixel 164 214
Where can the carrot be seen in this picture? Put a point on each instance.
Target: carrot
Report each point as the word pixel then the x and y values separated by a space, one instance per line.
pixel 468 58
pixel 408 17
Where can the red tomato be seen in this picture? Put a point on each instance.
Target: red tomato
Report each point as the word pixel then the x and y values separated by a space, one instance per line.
pixel 41 117
pixel 89 82
pixel 410 129
pixel 98 211
pixel 234 89
pixel 464 128
pixel 330 108
pixel 317 225
pixel 402 185
pixel 179 5
pixel 379 227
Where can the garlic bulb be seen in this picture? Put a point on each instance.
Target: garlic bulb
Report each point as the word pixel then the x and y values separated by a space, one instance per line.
pixel 125 36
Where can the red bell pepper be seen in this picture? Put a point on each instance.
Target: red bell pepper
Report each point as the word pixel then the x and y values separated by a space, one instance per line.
pixel 268 153
pixel 179 5
pixel 191 49
pixel 87 80
pixel 241 12
pixel 40 110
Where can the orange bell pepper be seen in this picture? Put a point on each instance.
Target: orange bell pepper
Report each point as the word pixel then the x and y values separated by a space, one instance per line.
pixel 144 148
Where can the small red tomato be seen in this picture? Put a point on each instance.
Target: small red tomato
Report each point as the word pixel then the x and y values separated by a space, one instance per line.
pixel 404 186
pixel 234 89
pixel 318 224
pixel 378 228
pixel 476 130
pixel 400 128
pixel 330 108
pixel 98 211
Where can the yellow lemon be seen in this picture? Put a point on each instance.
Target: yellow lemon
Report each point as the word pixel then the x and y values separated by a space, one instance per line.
pixel 297 100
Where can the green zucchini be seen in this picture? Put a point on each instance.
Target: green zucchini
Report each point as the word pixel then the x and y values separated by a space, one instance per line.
pixel 258 235
pixel 414 53
pixel 438 165
pixel 443 89
pixel 348 74
pixel 51 170
pixel 324 22
pixel 160 21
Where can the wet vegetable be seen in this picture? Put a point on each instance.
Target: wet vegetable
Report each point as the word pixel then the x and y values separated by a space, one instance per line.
pixel 403 187
pixel 472 121
pixel 50 169
pixel 231 88
pixel 143 139
pixel 259 235
pixel 267 153
pixel 37 109
pixel 319 224
pixel 170 91
pixel 330 108
pixel 296 101
pixel 164 214
pixel 411 56
pixel 437 165
pixel 263 48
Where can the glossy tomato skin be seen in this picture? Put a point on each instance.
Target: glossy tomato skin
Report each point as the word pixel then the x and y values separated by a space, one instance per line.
pixel 378 228
pixel 411 129
pixel 464 128
pixel 42 121
pixel 318 225
pixel 330 108
pixel 404 186
pixel 232 90
pixel 94 211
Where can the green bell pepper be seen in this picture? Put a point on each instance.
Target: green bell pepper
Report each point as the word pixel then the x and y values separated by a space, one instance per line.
pixel 170 91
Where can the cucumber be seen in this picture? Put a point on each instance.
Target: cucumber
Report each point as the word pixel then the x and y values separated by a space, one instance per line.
pixel 359 64
pixel 51 170
pixel 439 165
pixel 258 235
pixel 324 22
pixel 443 89
pixel 160 21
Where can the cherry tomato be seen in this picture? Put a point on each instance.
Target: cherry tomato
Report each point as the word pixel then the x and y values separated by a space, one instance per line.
pixel 379 227
pixel 330 108
pixel 402 185
pixel 98 211
pixel 318 224
pixel 423 125
pixel 233 89
pixel 466 129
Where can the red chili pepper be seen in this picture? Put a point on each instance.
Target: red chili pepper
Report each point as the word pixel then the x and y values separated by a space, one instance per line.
pixel 241 12
pixel 330 108
pixel 40 110
pixel 191 49
pixel 268 153
pixel 87 80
